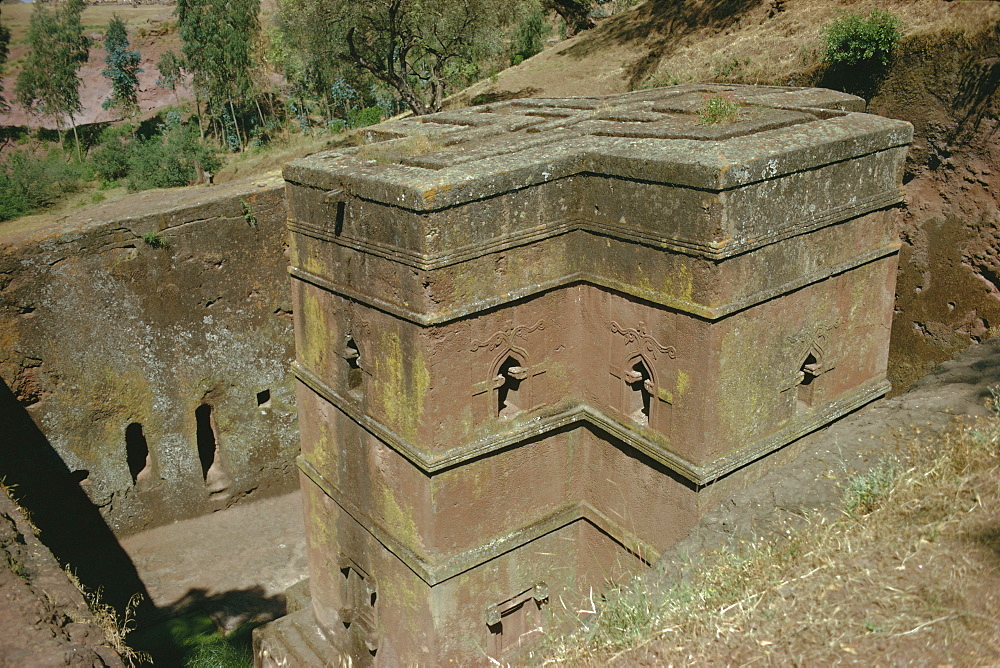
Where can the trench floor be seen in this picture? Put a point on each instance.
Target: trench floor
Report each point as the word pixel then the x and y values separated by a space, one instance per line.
pixel 217 573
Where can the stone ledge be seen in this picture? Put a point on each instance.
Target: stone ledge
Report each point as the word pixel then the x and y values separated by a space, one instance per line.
pixel 572 412
pixel 588 278
pixel 435 571
pixel 538 233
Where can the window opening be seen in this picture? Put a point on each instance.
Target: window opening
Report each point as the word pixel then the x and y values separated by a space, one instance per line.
pixel 137 453
pixel 359 596
pixel 508 383
pixel 511 621
pixel 640 399
pixel 808 373
pixel 353 356
pixel 263 398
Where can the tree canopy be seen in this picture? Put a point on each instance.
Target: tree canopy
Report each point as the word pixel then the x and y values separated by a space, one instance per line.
pixel 121 68
pixel 421 48
pixel 169 66
pixel 4 43
pixel 219 38
pixel 49 83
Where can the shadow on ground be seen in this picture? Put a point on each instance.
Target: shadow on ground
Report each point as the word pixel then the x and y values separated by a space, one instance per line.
pixel 200 624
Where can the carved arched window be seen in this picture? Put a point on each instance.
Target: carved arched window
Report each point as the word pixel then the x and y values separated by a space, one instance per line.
pixel 640 391
pixel 508 384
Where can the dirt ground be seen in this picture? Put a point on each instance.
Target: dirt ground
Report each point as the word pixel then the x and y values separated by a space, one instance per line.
pixel 234 565
pixel 44 620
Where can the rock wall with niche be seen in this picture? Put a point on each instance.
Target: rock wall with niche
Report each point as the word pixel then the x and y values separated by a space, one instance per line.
pixel 149 341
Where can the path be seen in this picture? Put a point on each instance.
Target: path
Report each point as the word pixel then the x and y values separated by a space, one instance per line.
pixel 234 564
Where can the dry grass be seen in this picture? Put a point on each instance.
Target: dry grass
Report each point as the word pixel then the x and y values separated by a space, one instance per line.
pixel 763 49
pixel 909 573
pixel 115 628
pixel 270 160
pixel 663 42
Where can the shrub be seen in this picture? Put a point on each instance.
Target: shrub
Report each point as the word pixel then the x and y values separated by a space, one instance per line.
pixel 529 34
pixel 717 108
pixel 170 158
pixel 29 181
pixel 155 240
pixel 853 39
pixel 110 158
pixel 359 118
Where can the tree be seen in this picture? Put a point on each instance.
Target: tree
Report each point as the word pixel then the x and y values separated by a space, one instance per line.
pixel 49 83
pixel 219 36
pixel 421 48
pixel 4 42
pixel 170 67
pixel 576 14
pixel 121 68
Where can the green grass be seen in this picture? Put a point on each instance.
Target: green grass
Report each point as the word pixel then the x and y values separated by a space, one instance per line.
pixel 194 640
pixel 717 108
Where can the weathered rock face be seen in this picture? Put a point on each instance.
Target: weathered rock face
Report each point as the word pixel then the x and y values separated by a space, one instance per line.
pixel 536 339
pixel 948 294
pixel 151 345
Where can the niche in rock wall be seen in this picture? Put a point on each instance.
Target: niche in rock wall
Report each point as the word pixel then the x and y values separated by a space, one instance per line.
pixel 140 463
pixel 263 398
pixel 212 470
pixel 509 394
pixel 509 622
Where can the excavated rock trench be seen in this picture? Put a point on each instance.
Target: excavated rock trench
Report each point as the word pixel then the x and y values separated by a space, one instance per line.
pixel 235 565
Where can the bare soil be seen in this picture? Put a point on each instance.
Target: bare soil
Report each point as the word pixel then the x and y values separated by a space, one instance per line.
pixel 44 620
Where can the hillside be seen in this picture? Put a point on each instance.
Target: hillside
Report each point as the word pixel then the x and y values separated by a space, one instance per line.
pixel 152 30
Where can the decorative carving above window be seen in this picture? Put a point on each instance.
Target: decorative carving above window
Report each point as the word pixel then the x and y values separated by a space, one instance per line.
pixel 505 337
pixel 644 340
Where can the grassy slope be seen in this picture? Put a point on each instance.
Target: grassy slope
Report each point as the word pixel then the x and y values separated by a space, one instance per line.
pixel 908 575
pixel 709 40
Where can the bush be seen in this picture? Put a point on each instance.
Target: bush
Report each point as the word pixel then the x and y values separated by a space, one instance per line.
pixel 29 181
pixel 717 108
pixel 359 118
pixel 169 158
pixel 529 35
pixel 853 39
pixel 110 158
